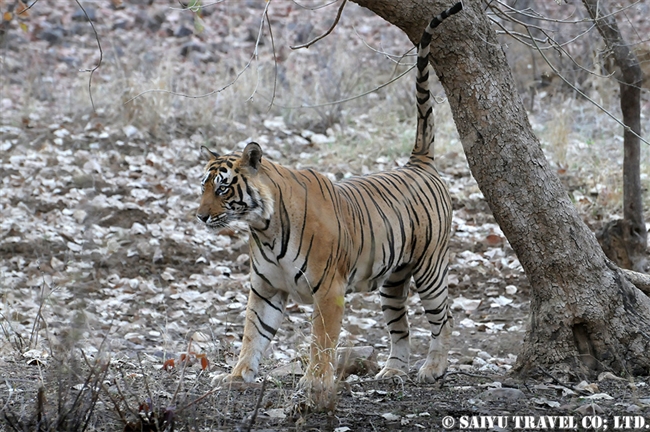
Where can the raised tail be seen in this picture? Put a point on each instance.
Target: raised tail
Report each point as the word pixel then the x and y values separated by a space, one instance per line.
pixel 425 136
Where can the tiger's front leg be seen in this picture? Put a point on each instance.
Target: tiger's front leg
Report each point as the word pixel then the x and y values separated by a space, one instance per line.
pixel 263 318
pixel 319 379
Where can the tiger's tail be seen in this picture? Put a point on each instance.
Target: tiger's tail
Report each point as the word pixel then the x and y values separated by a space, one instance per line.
pixel 425 135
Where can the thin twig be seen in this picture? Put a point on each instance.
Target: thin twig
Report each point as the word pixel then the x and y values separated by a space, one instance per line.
pixel 336 21
pixel 200 398
pixel 257 406
pixel 519 37
pixel 11 391
pixel 151 406
pixel 97 385
pixel 213 92
pixel 255 54
pixel 275 61
pixel 28 7
pixel 388 55
pixel 564 52
pixel 541 29
pixel 202 6
pixel 544 18
pixel 88 383
pixel 115 403
pixel 186 362
pixel 350 98
pixel 534 15
pixel 314 7
pixel 560 383
pixel 577 90
pixel 469 374
pixel 33 337
pixel 552 45
pixel 101 56
pixel 122 395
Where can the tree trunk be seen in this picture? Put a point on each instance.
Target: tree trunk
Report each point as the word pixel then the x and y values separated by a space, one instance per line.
pixel 634 239
pixel 584 313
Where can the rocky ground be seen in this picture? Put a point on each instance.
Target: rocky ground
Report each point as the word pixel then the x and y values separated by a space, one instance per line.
pixel 118 308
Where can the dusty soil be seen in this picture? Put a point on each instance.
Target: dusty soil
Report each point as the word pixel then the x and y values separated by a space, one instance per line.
pixel 105 276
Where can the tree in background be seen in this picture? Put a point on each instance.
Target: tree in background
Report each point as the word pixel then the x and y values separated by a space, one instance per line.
pixel 625 240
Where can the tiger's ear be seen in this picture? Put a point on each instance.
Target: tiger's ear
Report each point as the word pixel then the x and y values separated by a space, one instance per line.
pixel 252 156
pixel 208 154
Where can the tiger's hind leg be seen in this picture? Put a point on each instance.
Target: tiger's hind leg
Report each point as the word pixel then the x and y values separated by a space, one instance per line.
pixel 431 285
pixel 394 294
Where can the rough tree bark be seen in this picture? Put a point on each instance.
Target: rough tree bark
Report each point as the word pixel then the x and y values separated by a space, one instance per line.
pixel 625 241
pixel 585 315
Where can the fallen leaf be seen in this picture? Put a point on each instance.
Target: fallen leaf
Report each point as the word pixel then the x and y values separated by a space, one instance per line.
pixel 462 303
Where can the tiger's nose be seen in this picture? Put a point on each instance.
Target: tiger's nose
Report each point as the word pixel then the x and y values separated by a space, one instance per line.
pixel 203 217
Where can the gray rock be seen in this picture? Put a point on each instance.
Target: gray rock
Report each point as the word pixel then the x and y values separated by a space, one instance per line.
pixel 53 35
pixel 79 14
pixel 510 394
pixel 183 31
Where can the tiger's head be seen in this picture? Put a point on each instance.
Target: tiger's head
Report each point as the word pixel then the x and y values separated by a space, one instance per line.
pixel 232 189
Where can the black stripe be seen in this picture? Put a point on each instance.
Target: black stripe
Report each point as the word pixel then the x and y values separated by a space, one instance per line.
pixel 265 326
pixel 394 320
pixel 267 301
pixel 393 308
pixel 261 247
pixel 301 272
pixel 390 296
pixel 327 265
pixel 285 227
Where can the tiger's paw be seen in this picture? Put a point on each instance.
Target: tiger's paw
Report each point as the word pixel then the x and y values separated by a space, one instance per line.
pixel 316 393
pixel 432 371
pixel 240 377
pixel 390 372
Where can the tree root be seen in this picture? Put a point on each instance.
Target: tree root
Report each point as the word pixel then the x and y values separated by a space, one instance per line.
pixel 639 280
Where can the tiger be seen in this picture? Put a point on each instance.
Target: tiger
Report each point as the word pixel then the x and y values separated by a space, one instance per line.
pixel 314 240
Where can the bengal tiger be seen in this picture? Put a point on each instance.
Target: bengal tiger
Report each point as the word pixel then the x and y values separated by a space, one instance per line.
pixel 313 240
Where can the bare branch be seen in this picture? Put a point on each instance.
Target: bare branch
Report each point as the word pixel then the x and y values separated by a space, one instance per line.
pixel 257 405
pixel 577 90
pixel 553 44
pixel 336 21
pixel 213 92
pixel 639 280
pixel 541 29
pixel 275 62
pixel 257 43
pixel 388 55
pixel 549 40
pixel 519 37
pixel 535 15
pixel 560 47
pixel 315 7
pixel 203 6
pixel 28 7
pixel 101 55
pixel 352 97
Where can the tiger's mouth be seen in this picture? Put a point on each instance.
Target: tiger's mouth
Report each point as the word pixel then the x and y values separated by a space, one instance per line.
pixel 216 222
